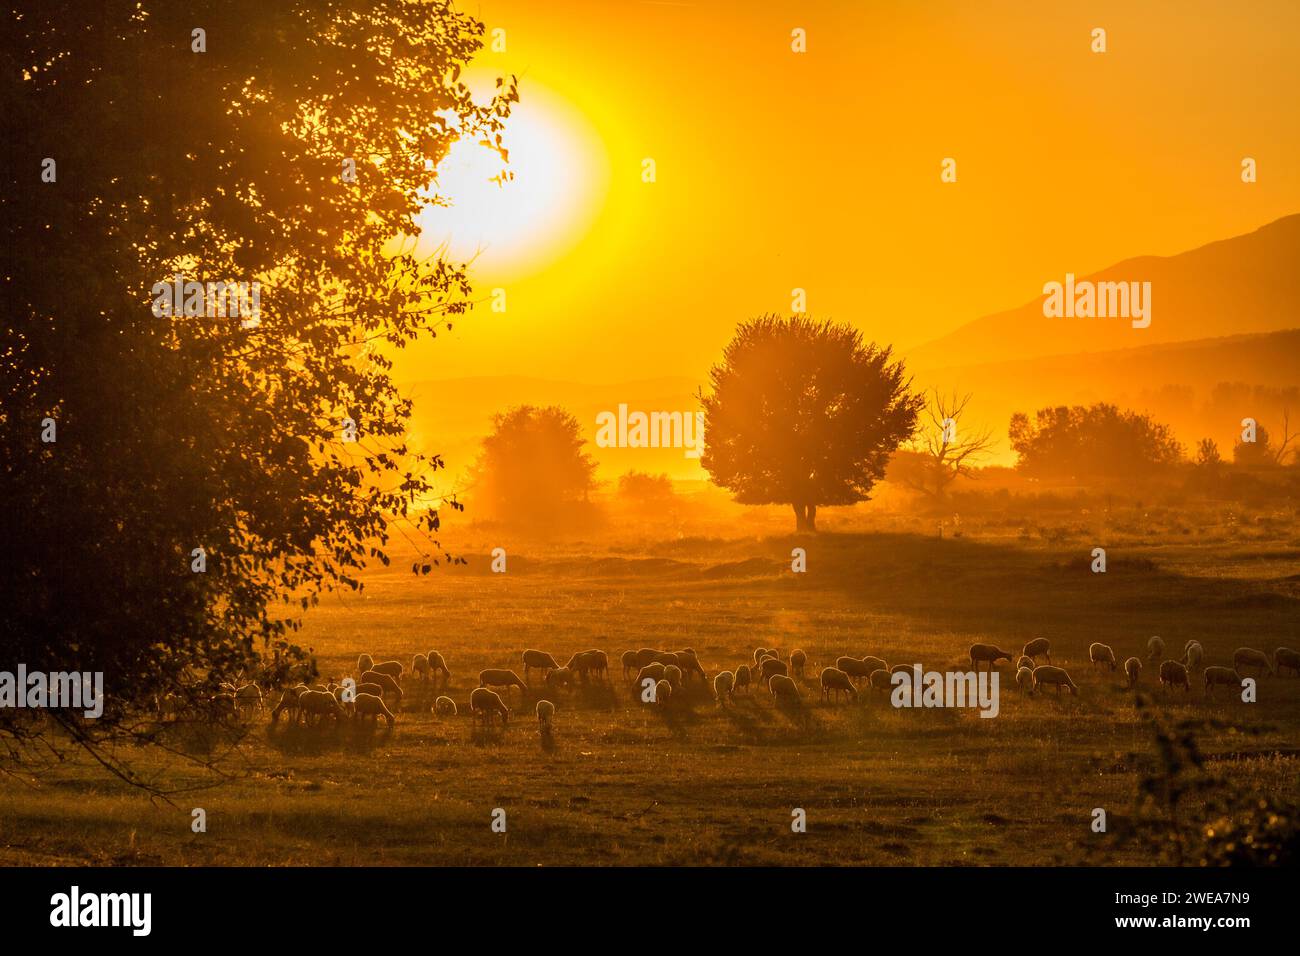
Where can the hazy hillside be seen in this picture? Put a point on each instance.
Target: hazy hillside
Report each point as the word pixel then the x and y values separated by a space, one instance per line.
pixel 1180 384
pixel 1248 283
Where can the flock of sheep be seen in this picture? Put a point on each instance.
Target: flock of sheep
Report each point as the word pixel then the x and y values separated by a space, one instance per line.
pixel 658 677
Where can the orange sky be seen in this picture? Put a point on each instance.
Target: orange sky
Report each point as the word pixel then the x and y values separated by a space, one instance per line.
pixel 778 170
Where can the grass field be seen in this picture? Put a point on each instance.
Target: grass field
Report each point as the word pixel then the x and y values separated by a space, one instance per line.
pixel 627 784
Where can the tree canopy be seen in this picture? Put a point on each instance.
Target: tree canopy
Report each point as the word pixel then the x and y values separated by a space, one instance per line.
pixel 1098 441
pixel 804 413
pixel 289 144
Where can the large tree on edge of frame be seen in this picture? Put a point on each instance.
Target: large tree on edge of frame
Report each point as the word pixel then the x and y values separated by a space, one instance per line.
pixel 137 151
pixel 804 413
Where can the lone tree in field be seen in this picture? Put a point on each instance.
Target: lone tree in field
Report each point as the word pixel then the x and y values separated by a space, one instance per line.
pixel 180 483
pixel 949 448
pixel 532 472
pixel 804 413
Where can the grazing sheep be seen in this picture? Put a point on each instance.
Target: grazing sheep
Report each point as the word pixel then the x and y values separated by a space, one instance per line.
pixel 759 654
pixel 373 707
pixel 855 668
pixel 834 679
pixel 560 677
pixel 486 704
pixel 538 660
pixel 875 663
pixel 386 681
pixel 988 653
pixel 629 663
pixel 437 664
pixel 1101 654
pixel 646 655
pixel 445 707
pixel 376 689
pixel 1025 678
pixel 1286 657
pixel 771 666
pixel 319 704
pixel 784 690
pixel 589 662
pixel 654 672
pixel 673 674
pixel 742 676
pixel 881 679
pixel 689 662
pixel 420 667
pixel 663 691
pixel 1244 657
pixel 365 663
pixel 906 668
pixel 1155 649
pixel 1132 667
pixel 722 687
pixel 1220 675
pixel 500 677
pixel 1173 674
pixel 1023 661
pixel 393 669
pixel 248 699
pixel 1039 646
pixel 1192 655
pixel 288 702
pixel 545 712
pixel 1049 674
pixel 798 659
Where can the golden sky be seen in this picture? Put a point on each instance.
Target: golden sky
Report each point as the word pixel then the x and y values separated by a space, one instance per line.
pixel 821 170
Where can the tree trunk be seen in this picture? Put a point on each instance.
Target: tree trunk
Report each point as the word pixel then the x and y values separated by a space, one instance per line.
pixel 805 518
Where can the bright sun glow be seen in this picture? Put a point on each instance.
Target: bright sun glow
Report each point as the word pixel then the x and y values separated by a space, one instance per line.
pixel 519 224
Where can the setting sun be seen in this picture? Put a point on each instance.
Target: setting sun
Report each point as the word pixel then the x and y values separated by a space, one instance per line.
pixel 517 216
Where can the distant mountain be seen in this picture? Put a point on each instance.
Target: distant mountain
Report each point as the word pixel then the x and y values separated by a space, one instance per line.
pixel 1249 283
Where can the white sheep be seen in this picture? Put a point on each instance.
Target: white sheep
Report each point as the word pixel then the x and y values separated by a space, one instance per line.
pixel 486 705
pixel 663 691
pixel 500 677
pixel 1192 655
pixel 673 674
pixel 1155 649
pixel 1025 678
pixel 723 684
pixel 545 713
pixel 784 690
pixel 386 681
pixel 1038 647
pixel 772 666
pixel 629 663
pixel 373 707
pixel 365 663
pixel 1101 654
pixel 742 677
pixel 1220 675
pixel 319 704
pixel 1132 667
pixel 420 667
pixel 1244 657
pixel 1173 674
pixel 798 659
pixel 881 679
pixel 990 654
pixel 854 667
pixel 445 707
pixel 438 665
pixel 1023 661
pixel 288 702
pixel 1048 674
pixel 248 699
pixel 653 671
pixel 538 661
pixel 393 669
pixel 834 679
